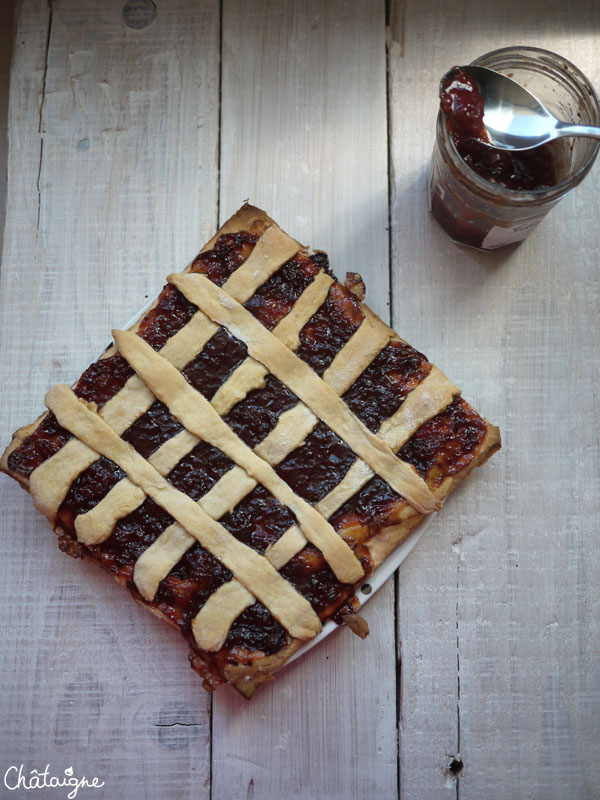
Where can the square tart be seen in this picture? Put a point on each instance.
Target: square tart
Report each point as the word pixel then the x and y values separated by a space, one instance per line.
pixel 248 452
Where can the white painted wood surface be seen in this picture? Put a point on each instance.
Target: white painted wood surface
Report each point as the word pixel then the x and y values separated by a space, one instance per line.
pixel 118 128
pixel 498 606
pixel 303 85
pixel 148 136
pixel 6 43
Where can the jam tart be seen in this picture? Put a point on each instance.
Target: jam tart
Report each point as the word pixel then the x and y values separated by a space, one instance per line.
pixel 246 454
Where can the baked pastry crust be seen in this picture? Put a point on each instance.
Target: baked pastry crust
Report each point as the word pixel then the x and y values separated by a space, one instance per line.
pixel 391 432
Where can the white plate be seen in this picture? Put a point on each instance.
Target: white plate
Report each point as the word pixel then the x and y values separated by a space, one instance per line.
pixel 374 582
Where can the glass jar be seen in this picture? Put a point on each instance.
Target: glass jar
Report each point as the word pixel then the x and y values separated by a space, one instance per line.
pixel 479 213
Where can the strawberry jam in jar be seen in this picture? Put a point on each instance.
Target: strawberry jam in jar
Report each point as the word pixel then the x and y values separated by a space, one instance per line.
pixel 486 197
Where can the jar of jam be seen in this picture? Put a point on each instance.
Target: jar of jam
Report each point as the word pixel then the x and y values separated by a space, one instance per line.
pixel 488 198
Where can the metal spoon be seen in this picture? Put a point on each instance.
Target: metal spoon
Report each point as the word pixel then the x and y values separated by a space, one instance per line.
pixel 514 118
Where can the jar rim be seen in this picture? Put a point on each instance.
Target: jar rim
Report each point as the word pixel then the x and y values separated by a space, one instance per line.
pixel 532 196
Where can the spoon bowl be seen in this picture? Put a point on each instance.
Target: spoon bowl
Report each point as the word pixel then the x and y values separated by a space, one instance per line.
pixel 514 118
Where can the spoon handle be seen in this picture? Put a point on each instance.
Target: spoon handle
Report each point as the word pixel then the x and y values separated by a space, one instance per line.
pixel 566 129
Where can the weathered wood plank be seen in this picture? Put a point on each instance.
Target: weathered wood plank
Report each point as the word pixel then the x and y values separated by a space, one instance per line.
pixel 112 183
pixel 6 43
pixel 498 605
pixel 304 136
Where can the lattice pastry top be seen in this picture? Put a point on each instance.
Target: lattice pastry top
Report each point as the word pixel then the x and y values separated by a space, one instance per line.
pixel 248 452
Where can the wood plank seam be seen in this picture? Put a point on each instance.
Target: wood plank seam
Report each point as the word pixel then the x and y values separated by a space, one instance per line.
pixel 397 643
pixel 218 222
pixel 41 114
pixel 64 138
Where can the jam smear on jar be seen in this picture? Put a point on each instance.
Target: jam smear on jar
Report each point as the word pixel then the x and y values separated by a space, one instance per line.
pixel 525 170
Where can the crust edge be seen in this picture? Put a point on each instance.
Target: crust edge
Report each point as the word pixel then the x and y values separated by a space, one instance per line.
pixel 384 543
pixel 248 679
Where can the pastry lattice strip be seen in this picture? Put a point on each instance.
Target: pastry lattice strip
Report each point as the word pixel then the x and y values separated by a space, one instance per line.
pixel 97 524
pixel 287 605
pixel 300 378
pixel 194 411
pixel 290 431
pixel 50 481
pixel 209 628
pixel 214 620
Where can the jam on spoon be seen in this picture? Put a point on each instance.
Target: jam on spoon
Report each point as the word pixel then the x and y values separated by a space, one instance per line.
pixel 463 107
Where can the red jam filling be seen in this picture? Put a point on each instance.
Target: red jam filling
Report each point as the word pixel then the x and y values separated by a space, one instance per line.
pixel 276 297
pixel 318 465
pixel 257 414
pixel 382 387
pixel 152 429
pixel 130 537
pixel 462 104
pixel 445 445
pixel 329 329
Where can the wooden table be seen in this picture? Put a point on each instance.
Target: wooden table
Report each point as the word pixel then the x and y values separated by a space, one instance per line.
pixel 127 146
